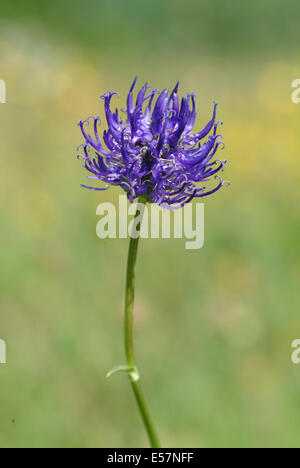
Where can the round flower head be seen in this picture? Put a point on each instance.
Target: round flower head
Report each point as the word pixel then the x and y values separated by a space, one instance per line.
pixel 154 152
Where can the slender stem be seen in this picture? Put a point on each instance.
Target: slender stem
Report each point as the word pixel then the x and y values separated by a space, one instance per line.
pixel 129 309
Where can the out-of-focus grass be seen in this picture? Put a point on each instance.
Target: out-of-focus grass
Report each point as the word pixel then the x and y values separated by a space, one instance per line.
pixel 169 28
pixel 213 328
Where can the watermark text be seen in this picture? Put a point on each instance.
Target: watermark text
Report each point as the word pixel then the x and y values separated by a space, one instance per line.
pixel 296 352
pixel 152 222
pixel 2 92
pixel 2 352
pixel 296 92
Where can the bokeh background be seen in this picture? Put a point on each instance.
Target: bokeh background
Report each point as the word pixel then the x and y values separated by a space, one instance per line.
pixel 213 327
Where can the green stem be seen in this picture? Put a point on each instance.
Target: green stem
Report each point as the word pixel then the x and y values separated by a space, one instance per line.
pixel 129 309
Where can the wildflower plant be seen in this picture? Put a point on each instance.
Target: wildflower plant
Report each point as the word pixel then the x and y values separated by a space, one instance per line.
pixel 155 157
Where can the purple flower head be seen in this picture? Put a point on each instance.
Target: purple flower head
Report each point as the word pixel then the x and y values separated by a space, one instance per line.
pixel 153 152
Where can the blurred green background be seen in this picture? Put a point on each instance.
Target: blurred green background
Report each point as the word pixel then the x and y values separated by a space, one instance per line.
pixel 213 327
